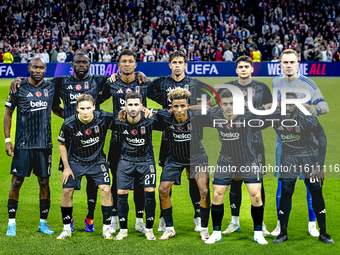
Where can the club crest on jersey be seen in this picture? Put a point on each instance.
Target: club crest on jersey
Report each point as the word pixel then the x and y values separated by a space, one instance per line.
pixel 186 87
pixel 127 91
pixel 228 126
pixel 253 92
pixel 180 128
pixel 189 127
pixel 152 169
pixel 38 94
pixel 137 89
pixel 86 85
pixel 297 128
pixel 78 87
pixel 103 168
pixel 244 93
pixel 46 92
pixel 96 129
pixel 88 131
pixel 134 132
pixel 289 128
pixel 142 130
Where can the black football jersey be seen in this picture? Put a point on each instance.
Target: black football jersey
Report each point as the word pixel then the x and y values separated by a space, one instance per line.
pixel 34 105
pixel 137 138
pixel 236 137
pixel 260 94
pixel 185 139
pixel 86 141
pixel 68 88
pixel 119 89
pixel 306 137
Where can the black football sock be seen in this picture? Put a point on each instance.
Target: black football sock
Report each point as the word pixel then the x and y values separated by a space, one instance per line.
pixel 160 205
pixel 235 197
pixel 66 213
pixel 123 210
pixel 106 211
pixel 286 204
pixel 217 212
pixel 318 205
pixel 44 208
pixel 167 213
pixel 195 196
pixel 12 206
pixel 114 194
pixel 91 191
pixel 204 214
pixel 150 206
pixel 257 215
pixel 263 195
pixel 139 199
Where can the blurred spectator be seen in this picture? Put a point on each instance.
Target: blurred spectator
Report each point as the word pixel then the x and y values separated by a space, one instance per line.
pixel 61 57
pixel 106 57
pixel 45 56
pixel 197 56
pixel 1 55
pixel 16 56
pixel 228 56
pixel 8 58
pixel 53 55
pixel 69 55
pixel 24 56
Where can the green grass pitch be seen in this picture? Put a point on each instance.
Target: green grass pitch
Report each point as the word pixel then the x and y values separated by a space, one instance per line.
pixel 30 241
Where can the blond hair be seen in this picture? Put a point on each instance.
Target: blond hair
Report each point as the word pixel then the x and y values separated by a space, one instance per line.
pixel 85 97
pixel 289 51
pixel 178 94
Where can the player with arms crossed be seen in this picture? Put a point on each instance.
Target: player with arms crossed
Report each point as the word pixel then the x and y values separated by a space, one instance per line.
pixel 261 95
pixel 123 85
pixel 136 161
pixel 237 156
pixel 292 79
pixel 184 132
pixel 33 144
pixel 86 132
pixel 304 146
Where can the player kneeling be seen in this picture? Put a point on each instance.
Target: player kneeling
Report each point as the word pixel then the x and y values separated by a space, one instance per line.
pixel 85 133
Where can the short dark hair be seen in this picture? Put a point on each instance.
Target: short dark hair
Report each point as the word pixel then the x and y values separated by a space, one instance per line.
pixel 178 53
pixel 81 53
pixel 244 59
pixel 85 97
pixel 134 95
pixel 226 93
pixel 127 52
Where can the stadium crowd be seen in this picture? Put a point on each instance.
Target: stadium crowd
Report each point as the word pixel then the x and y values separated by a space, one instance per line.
pixel 213 30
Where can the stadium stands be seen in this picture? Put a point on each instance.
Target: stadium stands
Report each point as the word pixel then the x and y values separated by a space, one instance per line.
pixel 204 30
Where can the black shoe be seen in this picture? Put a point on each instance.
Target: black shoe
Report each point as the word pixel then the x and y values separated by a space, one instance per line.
pixel 326 238
pixel 280 238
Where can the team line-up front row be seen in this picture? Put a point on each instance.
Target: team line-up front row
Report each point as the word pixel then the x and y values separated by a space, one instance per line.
pixel 82 136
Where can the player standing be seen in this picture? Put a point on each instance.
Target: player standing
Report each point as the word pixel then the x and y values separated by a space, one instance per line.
pixel 184 132
pixel 292 79
pixel 123 85
pixel 136 162
pixel 33 144
pixel 85 132
pixel 261 95
pixel 304 146
pixel 236 157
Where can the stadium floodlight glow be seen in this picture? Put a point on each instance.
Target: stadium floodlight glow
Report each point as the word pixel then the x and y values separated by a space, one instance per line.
pixel 238 100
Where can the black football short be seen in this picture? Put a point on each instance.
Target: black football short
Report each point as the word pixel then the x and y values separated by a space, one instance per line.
pixel 97 171
pixel 172 170
pixel 226 172
pixel 163 151
pixel 291 166
pixel 38 160
pixel 128 171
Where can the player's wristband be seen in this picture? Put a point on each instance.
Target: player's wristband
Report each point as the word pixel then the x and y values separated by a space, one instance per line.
pixel 7 140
